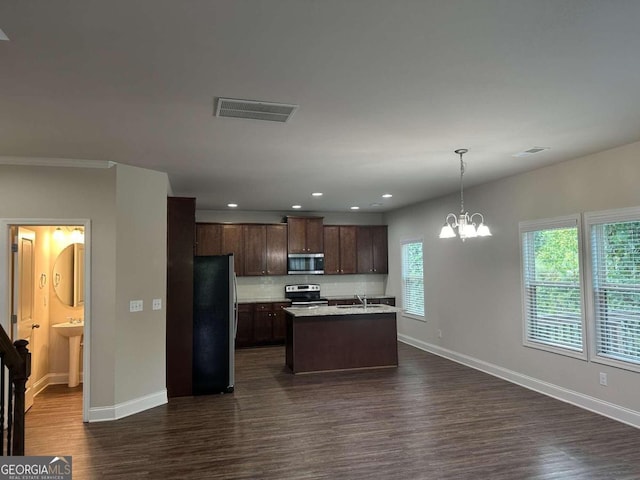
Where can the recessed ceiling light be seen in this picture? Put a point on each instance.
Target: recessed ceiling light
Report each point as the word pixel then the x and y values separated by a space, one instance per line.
pixel 387 195
pixel 232 205
pixel 375 204
pixel 296 206
pixel 355 208
pixel 316 194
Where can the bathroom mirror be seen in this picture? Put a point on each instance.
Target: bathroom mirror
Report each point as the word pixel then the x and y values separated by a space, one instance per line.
pixel 68 275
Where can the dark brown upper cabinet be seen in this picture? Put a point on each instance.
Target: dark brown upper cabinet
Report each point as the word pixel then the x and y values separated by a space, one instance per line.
pixel 208 239
pixel 305 234
pixel 372 250
pixel 233 242
pixel 339 249
pixel 265 250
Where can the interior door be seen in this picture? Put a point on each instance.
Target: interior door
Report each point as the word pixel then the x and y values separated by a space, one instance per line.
pixel 23 293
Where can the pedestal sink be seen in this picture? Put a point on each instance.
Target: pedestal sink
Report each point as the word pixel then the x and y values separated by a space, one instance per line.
pixel 73 331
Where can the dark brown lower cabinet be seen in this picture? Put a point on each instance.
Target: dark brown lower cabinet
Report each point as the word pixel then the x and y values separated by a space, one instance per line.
pixel 244 332
pixel 279 322
pixel 261 324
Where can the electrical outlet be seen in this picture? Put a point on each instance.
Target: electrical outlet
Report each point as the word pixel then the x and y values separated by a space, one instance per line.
pixel 439 333
pixel 136 305
pixel 156 304
pixel 603 379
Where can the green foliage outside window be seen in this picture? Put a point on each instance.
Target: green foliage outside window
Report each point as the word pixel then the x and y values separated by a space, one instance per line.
pixel 553 288
pixel 413 278
pixel 617 289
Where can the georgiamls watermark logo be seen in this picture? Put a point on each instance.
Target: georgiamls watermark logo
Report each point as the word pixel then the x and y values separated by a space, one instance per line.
pixel 35 468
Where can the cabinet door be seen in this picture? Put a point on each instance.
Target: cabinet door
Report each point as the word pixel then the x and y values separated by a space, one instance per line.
pixel 331 250
pixel 208 239
pixel 348 257
pixel 244 333
pixel 232 242
pixel 279 322
pixel 364 251
pixel 379 249
pixel 263 324
pixel 296 235
pixel 255 245
pixel 276 257
pixel 314 235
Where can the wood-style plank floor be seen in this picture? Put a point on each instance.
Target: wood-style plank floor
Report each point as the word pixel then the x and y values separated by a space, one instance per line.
pixel 428 419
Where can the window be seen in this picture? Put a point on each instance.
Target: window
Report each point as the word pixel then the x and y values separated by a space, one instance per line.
pixel 412 279
pixel 614 296
pixel 552 286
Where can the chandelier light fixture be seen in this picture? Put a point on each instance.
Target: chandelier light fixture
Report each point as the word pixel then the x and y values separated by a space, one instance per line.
pixel 463 225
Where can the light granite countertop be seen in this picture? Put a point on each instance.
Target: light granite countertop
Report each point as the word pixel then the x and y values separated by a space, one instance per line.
pixel 339 310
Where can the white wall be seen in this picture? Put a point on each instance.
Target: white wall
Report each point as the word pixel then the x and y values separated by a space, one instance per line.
pixel 127 210
pixel 77 193
pixel 473 289
pixel 330 218
pixel 141 274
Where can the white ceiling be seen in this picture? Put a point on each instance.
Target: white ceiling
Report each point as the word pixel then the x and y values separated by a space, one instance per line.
pixel 386 91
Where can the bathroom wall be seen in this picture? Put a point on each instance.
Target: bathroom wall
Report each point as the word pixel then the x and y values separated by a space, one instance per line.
pixel 60 313
pixel 40 341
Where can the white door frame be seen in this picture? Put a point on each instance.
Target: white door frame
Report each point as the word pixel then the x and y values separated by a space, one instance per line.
pixel 5 284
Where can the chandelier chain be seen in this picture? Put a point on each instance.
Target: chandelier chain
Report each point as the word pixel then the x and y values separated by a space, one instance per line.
pixel 461 184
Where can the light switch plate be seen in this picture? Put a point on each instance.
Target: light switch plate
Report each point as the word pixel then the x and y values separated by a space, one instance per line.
pixel 136 305
pixel 156 304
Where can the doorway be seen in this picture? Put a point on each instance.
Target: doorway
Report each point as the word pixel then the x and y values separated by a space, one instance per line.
pixel 44 287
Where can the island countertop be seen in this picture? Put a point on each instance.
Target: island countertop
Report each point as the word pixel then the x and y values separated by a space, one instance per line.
pixel 339 310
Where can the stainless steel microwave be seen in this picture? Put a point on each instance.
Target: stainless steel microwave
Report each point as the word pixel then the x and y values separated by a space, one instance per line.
pixel 305 264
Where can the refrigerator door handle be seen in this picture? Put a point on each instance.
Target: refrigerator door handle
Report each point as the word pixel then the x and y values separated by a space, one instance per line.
pixel 235 305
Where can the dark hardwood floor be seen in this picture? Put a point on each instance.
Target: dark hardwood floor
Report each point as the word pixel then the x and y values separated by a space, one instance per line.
pixel 428 419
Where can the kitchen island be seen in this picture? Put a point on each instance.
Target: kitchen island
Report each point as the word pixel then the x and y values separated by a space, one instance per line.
pixel 341 338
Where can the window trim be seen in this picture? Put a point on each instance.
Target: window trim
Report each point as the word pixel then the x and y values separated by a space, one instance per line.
pixel 630 214
pixel 567 221
pixel 414 316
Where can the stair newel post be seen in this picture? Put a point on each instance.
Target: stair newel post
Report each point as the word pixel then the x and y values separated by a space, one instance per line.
pixel 19 381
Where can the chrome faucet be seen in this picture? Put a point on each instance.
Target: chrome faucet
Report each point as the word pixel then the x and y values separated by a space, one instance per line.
pixel 363 300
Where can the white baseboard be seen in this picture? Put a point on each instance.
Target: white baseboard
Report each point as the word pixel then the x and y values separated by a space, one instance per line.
pixel 610 410
pixel 124 409
pixel 105 414
pixel 51 379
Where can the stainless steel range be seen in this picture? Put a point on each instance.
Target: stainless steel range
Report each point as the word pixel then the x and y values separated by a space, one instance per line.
pixel 305 295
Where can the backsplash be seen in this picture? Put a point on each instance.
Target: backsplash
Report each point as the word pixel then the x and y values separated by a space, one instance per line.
pixel 272 287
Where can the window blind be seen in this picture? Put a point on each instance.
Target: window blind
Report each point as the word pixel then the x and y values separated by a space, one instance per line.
pixel 412 278
pixel 615 257
pixel 552 288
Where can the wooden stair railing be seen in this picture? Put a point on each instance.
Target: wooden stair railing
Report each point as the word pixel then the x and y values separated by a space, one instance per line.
pixel 17 360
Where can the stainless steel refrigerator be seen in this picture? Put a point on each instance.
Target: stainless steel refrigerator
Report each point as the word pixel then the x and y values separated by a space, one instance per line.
pixel 214 324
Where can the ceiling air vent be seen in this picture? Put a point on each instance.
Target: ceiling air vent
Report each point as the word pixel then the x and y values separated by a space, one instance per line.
pixel 272 112
pixel 531 151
